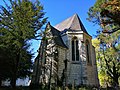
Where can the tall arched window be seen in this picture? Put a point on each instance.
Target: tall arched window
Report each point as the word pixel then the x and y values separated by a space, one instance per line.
pixel 88 51
pixel 75 49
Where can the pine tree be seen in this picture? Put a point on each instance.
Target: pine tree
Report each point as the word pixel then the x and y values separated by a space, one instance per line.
pixel 21 21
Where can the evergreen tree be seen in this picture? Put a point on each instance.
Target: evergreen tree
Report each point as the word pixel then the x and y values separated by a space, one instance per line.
pixel 21 21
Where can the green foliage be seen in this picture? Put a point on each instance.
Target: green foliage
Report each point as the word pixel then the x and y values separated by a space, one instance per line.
pixel 108 47
pixel 20 22
pixel 103 78
pixel 94 12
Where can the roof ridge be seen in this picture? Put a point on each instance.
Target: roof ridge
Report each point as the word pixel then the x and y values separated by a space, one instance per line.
pixel 73 23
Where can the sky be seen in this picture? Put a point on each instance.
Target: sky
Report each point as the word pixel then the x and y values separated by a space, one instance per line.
pixel 59 10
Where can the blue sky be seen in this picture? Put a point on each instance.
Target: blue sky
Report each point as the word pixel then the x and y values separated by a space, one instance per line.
pixel 59 10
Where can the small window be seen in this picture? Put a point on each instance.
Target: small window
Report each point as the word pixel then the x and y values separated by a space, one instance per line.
pixel 88 51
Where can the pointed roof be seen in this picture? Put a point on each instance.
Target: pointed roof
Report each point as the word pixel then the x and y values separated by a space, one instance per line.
pixel 73 23
pixel 58 40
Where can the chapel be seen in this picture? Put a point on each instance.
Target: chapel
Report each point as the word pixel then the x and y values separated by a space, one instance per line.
pixel 66 55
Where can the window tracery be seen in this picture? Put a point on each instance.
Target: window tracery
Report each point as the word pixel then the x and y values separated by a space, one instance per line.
pixel 75 49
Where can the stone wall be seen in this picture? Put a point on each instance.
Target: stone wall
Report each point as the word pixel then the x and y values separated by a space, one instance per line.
pixel 61 58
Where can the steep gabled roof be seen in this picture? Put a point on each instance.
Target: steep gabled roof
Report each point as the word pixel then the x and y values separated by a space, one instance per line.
pixel 57 38
pixel 73 23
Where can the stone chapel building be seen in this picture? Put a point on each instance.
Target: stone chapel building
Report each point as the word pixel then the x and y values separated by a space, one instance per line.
pixel 66 54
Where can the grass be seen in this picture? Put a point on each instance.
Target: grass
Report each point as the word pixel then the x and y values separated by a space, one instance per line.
pixel 17 88
pixel 28 88
pixel 58 88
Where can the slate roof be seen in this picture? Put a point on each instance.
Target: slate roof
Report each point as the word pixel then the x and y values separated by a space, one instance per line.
pixel 72 23
pixel 58 40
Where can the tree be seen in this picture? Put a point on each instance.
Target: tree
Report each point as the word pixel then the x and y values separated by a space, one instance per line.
pixel 5 60
pixel 4 65
pixel 105 13
pixel 102 72
pixel 20 22
pixel 111 10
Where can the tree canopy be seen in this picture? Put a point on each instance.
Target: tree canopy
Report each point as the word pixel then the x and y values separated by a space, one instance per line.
pixel 106 14
pixel 20 21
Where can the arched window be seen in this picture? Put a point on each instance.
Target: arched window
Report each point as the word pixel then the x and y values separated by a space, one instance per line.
pixel 88 51
pixel 75 49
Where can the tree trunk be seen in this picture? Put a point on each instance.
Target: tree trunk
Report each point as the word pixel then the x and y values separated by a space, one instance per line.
pixel 15 71
pixel 115 75
pixel 116 83
pixel 13 82
pixel 13 78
